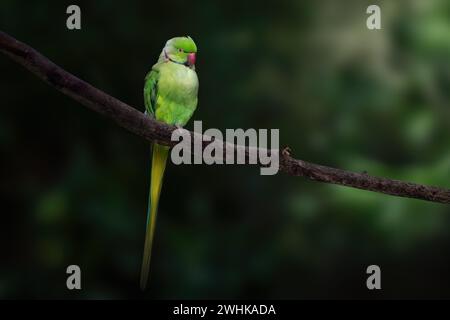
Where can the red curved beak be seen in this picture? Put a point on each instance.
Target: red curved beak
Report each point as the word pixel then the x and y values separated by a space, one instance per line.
pixel 191 59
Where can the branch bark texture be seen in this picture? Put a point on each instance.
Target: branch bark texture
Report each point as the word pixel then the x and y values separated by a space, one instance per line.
pixel 155 131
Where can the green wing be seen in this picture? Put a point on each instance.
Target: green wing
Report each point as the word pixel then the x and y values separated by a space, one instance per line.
pixel 151 90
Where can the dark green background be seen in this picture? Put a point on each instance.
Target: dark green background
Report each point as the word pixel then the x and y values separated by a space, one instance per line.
pixel 74 185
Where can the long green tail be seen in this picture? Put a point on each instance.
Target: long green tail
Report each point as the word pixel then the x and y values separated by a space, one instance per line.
pixel 159 160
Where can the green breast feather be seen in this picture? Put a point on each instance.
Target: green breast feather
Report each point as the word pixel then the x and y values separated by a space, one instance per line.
pixel 170 92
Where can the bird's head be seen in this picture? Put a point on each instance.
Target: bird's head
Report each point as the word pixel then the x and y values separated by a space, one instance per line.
pixel 181 50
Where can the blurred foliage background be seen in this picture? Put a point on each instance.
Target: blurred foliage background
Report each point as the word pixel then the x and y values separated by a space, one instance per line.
pixel 74 186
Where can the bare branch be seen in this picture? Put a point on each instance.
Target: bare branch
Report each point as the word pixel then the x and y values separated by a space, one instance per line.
pixel 152 130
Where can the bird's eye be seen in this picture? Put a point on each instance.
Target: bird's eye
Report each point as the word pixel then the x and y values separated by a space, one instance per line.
pixel 180 50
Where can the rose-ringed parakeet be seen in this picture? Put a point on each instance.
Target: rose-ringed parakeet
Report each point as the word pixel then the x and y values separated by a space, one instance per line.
pixel 170 95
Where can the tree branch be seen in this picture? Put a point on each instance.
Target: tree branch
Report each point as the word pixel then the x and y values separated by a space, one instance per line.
pixel 152 130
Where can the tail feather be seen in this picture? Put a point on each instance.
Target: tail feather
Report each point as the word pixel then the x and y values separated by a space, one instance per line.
pixel 159 160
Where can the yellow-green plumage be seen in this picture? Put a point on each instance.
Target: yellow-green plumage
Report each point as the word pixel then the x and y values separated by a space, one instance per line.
pixel 170 95
pixel 159 159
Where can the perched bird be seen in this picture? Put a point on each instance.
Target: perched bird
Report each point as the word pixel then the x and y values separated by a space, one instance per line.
pixel 170 95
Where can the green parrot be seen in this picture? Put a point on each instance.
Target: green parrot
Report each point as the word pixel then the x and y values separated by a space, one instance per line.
pixel 170 95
